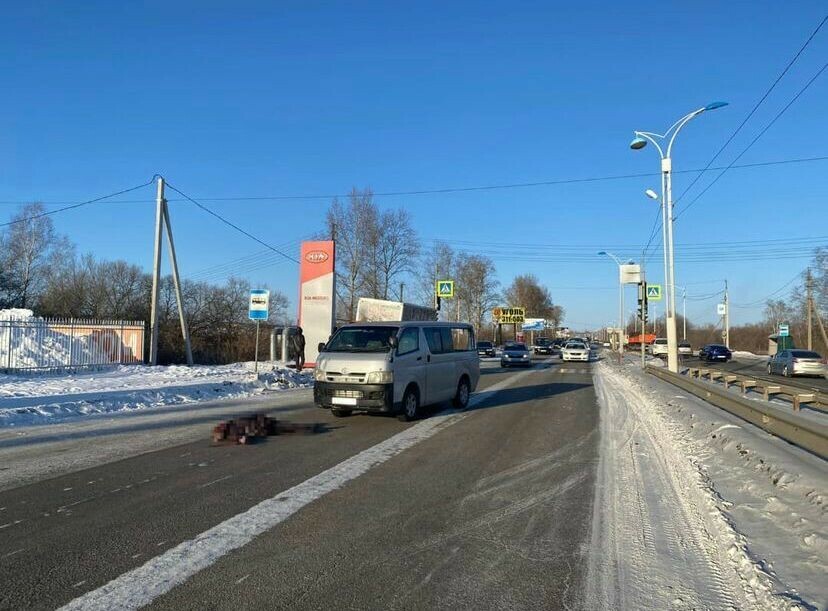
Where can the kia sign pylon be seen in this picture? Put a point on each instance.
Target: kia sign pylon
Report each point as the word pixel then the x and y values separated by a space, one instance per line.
pixel 317 287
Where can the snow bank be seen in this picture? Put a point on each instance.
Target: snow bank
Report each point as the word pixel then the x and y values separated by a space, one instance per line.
pixel 33 345
pixel 760 505
pixel 748 355
pixel 26 400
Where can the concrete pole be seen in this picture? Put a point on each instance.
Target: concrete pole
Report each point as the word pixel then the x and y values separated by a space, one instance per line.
pixel 809 304
pixel 672 340
pixel 185 331
pixel 684 311
pixel 156 274
pixel 727 317
pixel 256 357
pixel 273 344
pixel 621 323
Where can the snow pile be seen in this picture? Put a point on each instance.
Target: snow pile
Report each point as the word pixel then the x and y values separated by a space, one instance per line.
pixel 748 355
pixel 26 400
pixel 33 344
pixel 671 466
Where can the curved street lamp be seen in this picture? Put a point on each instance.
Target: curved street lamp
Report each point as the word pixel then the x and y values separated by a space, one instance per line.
pixel 657 140
pixel 621 323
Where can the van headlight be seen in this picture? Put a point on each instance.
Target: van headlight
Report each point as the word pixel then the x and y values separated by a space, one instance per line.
pixel 380 377
pixel 318 375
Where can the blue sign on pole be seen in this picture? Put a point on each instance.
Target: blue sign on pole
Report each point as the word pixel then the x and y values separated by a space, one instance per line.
pixel 784 330
pixel 259 304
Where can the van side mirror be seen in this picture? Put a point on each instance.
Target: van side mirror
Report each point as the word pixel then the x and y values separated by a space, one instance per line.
pixel 321 347
pixel 392 341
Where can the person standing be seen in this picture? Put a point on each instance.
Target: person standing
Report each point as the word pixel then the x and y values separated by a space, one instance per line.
pixel 299 348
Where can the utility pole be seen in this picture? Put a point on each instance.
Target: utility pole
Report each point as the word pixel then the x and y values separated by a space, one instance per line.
pixel 727 317
pixel 809 305
pixel 684 311
pixel 402 287
pixel 162 222
pixel 156 273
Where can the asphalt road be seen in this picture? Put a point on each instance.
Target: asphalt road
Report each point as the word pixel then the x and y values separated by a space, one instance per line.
pixel 491 511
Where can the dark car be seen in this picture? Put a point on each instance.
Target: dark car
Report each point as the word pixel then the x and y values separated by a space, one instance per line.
pixel 543 345
pixel 515 353
pixel 485 349
pixel 715 352
pixel 557 346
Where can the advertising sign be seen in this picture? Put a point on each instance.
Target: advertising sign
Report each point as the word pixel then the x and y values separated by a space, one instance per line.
pixel 509 316
pixel 259 307
pixel 630 273
pixel 533 324
pixel 316 295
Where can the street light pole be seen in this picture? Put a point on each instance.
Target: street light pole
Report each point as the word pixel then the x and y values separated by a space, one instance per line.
pixel 621 324
pixel 639 142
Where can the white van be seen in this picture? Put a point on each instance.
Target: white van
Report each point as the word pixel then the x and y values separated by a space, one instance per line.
pixel 396 367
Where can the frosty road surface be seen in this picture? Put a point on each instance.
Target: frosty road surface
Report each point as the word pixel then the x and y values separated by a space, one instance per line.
pixel 562 487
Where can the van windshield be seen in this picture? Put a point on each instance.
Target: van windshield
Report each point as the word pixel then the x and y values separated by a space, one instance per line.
pixel 362 339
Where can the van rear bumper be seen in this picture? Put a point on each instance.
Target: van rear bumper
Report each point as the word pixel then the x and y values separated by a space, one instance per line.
pixel 377 398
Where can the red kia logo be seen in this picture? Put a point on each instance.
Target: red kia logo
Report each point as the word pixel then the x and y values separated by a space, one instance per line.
pixel 316 256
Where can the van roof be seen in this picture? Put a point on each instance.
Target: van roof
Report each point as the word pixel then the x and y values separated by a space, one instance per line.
pixel 409 323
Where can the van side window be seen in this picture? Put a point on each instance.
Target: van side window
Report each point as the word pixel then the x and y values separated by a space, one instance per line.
pixel 445 335
pixel 462 339
pixel 435 345
pixel 409 341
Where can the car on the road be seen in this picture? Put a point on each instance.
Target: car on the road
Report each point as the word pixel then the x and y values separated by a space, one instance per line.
pixel 515 353
pixel 685 348
pixel 543 345
pixel 797 363
pixel 575 351
pixel 486 349
pixel 396 367
pixel 659 347
pixel 557 345
pixel 715 352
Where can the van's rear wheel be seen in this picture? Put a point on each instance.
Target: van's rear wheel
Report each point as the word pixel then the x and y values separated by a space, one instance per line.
pixel 461 398
pixel 410 406
pixel 341 413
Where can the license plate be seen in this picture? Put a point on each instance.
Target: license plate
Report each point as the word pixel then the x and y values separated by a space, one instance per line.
pixel 343 400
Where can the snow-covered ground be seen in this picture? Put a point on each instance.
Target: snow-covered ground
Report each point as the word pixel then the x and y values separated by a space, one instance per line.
pixel 41 398
pixel 685 489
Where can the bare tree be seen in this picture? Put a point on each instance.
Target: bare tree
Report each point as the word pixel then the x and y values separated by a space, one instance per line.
pixel 437 263
pixel 476 287
pixel 26 250
pixel 395 250
pixel 353 226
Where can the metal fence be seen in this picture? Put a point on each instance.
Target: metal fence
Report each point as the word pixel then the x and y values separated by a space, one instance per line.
pixel 56 344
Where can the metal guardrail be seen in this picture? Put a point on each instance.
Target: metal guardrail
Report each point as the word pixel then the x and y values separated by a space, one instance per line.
pixel 797 395
pixel 811 436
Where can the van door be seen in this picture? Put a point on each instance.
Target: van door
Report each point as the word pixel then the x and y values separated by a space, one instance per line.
pixel 409 363
pixel 439 365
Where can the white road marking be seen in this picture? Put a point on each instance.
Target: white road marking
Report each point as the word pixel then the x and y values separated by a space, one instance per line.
pixel 140 586
pixel 79 584
pixel 10 554
pixel 240 580
pixel 215 481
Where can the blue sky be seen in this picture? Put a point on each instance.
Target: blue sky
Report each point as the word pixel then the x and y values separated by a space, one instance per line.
pixel 261 99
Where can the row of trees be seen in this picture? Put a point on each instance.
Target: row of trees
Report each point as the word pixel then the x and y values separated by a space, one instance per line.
pixel 42 271
pixel 379 254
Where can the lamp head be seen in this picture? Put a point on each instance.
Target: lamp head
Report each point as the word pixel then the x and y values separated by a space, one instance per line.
pixel 602 252
pixel 638 143
pixel 715 105
pixel 651 194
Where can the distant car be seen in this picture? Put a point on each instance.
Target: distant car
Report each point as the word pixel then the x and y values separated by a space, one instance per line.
pixel 715 352
pixel 684 348
pixel 543 345
pixel 486 349
pixel 659 347
pixel 515 354
pixel 797 363
pixel 607 345
pixel 557 346
pixel 575 351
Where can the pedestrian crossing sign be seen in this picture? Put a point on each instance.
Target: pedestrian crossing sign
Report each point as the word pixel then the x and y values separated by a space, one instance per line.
pixel 653 292
pixel 445 288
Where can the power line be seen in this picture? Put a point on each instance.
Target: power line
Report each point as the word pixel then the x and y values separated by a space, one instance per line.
pixel 773 294
pixel 449 190
pixel 231 224
pixel 754 109
pixel 78 204
pixel 752 142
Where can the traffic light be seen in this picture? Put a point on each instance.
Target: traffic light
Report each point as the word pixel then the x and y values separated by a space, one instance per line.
pixel 642 302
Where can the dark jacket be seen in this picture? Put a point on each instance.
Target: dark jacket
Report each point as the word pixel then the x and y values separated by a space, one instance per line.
pixel 298 341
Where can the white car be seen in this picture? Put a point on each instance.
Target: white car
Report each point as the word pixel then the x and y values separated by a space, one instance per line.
pixel 660 347
pixel 575 351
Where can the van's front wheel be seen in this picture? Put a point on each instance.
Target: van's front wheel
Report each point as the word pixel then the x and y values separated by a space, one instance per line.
pixel 410 406
pixel 461 398
pixel 341 413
